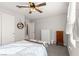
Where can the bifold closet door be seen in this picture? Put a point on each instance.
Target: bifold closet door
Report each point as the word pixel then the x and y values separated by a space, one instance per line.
pixel 46 35
pixel 31 30
pixel 0 30
pixel 8 28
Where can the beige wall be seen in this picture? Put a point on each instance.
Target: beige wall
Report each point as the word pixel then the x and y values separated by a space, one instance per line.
pixel 53 23
pixel 19 34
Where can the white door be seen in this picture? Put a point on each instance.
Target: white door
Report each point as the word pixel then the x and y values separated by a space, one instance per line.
pixel 31 30
pixel 0 29
pixel 46 36
pixel 8 28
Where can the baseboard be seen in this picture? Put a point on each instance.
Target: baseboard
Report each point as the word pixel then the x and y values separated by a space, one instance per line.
pixel 65 44
pixel 54 42
pixel 69 50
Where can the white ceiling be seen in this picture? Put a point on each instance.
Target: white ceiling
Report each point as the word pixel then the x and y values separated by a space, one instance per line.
pixel 51 8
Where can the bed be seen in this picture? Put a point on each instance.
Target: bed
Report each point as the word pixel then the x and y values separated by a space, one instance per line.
pixel 23 48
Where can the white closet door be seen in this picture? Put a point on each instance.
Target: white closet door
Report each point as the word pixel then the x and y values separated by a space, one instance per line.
pixel 0 30
pixel 31 31
pixel 8 28
pixel 45 36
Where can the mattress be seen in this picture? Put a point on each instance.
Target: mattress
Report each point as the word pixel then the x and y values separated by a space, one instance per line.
pixel 23 48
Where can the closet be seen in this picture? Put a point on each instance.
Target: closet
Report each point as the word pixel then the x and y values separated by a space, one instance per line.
pixel 7 28
pixel 0 30
pixel 46 35
pixel 31 32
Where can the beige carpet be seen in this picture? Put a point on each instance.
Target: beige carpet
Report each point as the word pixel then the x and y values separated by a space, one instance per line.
pixel 54 50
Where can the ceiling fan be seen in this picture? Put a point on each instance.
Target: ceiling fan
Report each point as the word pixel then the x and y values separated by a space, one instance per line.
pixel 32 6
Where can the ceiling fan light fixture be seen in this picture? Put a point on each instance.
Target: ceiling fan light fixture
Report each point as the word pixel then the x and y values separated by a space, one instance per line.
pixel 32 9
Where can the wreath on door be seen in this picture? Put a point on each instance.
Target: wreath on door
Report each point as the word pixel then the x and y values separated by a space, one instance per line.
pixel 20 25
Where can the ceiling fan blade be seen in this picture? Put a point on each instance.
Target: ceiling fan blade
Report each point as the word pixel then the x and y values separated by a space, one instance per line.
pixel 42 4
pixel 22 6
pixel 38 10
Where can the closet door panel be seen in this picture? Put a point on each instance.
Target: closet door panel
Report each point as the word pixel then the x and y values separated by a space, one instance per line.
pixel 0 29
pixel 31 30
pixel 45 35
pixel 8 28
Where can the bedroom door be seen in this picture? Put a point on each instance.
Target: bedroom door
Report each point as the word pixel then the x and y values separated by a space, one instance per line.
pixel 8 28
pixel 59 38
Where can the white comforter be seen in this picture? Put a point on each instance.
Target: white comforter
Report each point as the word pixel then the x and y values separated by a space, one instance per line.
pixel 23 48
